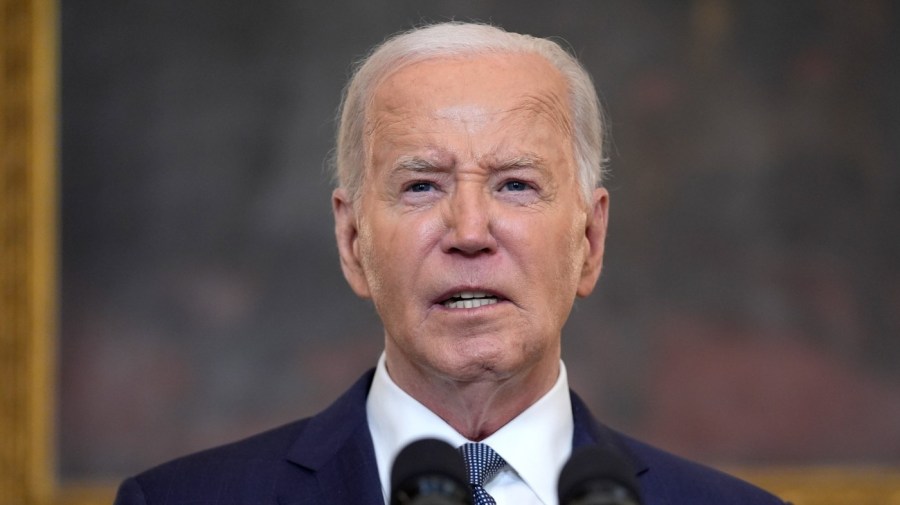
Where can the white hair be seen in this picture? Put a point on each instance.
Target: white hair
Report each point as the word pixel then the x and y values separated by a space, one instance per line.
pixel 458 39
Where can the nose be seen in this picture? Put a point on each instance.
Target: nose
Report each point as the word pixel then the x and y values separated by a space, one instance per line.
pixel 468 218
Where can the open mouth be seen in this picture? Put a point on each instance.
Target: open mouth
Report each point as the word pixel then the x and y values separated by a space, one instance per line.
pixel 470 300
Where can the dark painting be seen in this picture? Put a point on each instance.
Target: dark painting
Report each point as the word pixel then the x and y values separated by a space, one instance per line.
pixel 749 308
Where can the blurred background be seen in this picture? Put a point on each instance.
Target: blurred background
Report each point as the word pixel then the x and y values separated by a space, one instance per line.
pixel 749 310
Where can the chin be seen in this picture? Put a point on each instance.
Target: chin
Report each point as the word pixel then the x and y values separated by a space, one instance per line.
pixel 474 361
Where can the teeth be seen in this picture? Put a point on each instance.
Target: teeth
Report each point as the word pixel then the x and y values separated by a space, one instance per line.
pixel 470 303
pixel 470 300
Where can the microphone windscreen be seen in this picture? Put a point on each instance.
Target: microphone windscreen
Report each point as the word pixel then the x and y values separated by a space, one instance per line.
pixel 429 471
pixel 598 476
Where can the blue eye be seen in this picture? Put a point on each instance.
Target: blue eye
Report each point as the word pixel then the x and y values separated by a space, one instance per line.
pixel 420 187
pixel 516 186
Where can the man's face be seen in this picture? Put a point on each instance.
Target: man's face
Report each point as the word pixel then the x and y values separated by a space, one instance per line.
pixel 471 234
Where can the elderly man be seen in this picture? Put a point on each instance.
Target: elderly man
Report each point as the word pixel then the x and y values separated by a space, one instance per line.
pixel 469 210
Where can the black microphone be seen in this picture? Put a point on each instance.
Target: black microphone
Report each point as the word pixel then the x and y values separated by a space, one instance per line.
pixel 597 476
pixel 429 472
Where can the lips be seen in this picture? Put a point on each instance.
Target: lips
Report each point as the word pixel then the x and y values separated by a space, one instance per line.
pixel 469 299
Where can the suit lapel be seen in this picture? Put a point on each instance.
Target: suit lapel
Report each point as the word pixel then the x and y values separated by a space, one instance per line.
pixel 589 432
pixel 336 449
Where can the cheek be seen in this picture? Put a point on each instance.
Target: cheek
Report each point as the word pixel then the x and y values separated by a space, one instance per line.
pixel 368 257
pixel 393 252
pixel 562 256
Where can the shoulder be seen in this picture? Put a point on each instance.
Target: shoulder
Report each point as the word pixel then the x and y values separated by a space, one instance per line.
pixel 248 468
pixel 672 480
pixel 262 468
pixel 666 479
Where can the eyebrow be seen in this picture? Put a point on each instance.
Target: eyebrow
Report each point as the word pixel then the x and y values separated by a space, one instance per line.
pixel 415 164
pixel 527 160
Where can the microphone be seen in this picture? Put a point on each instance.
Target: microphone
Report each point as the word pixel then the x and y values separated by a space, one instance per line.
pixel 429 472
pixel 598 476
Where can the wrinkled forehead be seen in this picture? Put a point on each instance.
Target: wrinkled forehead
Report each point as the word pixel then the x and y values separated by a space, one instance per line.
pixel 486 86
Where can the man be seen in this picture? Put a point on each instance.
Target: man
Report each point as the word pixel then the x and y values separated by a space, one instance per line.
pixel 469 210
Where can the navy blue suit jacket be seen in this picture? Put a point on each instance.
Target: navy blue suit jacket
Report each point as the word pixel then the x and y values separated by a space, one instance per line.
pixel 328 459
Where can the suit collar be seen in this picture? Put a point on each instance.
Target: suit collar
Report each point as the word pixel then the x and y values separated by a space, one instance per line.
pixel 337 447
pixel 589 432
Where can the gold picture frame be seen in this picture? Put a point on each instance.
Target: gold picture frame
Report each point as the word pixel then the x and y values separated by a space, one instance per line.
pixel 29 63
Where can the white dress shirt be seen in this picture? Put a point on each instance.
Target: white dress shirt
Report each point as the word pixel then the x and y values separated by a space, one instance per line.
pixel 535 444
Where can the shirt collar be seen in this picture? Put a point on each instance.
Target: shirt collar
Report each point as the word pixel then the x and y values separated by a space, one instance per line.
pixel 396 419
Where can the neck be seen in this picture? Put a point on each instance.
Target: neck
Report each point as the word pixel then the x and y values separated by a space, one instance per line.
pixel 475 407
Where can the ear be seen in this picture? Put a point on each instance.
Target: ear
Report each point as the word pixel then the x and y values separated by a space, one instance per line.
pixel 595 239
pixel 346 231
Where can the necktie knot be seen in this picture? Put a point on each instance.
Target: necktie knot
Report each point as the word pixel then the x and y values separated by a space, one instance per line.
pixel 482 464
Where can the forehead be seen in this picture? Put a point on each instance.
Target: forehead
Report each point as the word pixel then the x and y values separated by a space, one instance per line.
pixel 469 87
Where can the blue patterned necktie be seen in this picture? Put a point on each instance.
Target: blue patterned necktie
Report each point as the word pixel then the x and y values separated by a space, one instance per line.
pixel 482 464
